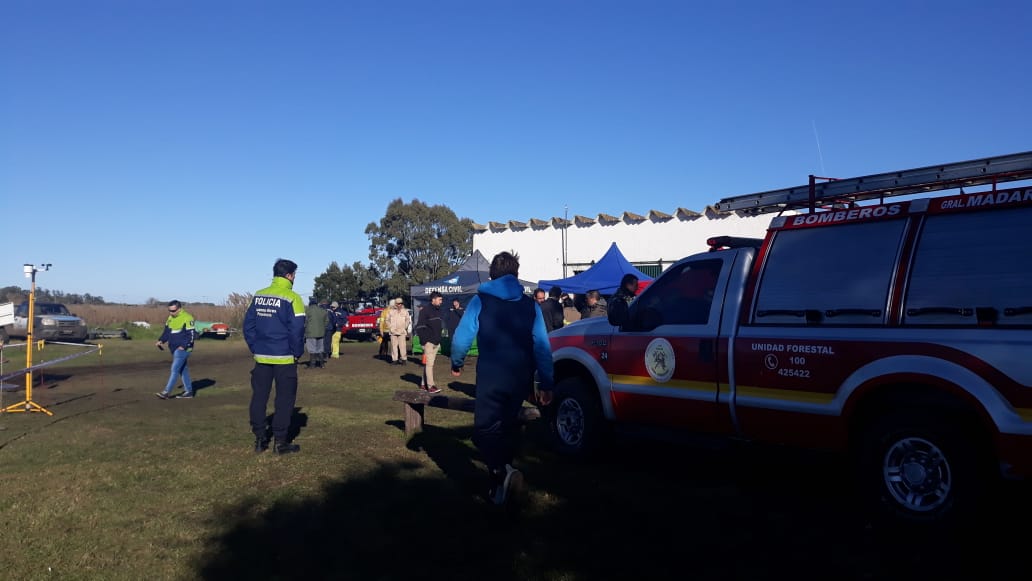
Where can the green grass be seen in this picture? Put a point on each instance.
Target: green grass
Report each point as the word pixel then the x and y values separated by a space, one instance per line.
pixel 120 485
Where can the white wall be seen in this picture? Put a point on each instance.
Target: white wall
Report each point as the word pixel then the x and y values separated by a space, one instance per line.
pixel 540 249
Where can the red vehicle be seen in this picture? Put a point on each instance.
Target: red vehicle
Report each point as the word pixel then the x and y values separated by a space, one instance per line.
pixel 363 325
pixel 895 334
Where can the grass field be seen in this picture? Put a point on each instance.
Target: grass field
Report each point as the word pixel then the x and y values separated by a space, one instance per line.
pixel 121 485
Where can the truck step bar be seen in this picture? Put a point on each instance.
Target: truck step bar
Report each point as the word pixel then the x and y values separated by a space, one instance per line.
pixel 846 192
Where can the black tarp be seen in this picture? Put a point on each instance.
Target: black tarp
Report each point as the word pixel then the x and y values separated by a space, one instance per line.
pixel 461 284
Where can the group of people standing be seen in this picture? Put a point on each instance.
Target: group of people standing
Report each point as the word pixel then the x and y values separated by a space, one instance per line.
pixel 396 326
pixel 511 330
pixel 323 320
pixel 560 309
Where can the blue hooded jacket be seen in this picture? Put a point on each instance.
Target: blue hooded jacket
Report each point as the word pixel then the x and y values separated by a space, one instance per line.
pixel 511 337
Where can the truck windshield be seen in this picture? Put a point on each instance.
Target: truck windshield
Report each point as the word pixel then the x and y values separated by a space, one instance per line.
pixel 51 309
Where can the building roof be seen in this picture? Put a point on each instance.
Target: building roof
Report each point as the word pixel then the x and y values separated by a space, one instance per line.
pixel 602 218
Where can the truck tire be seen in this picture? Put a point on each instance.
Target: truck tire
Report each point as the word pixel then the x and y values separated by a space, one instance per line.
pixel 923 467
pixel 3 336
pixel 575 418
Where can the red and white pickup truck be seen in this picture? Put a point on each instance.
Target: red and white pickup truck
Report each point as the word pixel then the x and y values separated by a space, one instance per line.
pixel 898 333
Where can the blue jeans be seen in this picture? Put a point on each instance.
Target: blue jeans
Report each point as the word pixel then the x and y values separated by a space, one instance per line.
pixel 179 367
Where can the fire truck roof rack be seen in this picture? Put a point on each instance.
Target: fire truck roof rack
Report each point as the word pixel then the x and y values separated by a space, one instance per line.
pixel 846 192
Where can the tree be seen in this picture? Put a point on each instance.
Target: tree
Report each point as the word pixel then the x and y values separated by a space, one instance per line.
pixel 334 284
pixel 415 243
pixel 13 294
pixel 355 283
pixel 238 304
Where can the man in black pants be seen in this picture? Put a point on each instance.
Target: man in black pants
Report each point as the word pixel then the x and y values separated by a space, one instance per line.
pixel 512 346
pixel 274 328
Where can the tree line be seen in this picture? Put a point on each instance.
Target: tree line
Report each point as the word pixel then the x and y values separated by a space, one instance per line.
pixel 14 294
pixel 412 244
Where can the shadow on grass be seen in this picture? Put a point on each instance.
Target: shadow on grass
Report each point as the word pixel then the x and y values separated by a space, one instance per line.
pixel 469 389
pixel 200 384
pixel 645 511
pixel 298 420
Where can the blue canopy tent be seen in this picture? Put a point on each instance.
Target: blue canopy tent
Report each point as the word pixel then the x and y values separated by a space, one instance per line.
pixel 603 276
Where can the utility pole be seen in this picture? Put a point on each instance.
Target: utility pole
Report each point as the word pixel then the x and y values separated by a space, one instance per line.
pixel 566 220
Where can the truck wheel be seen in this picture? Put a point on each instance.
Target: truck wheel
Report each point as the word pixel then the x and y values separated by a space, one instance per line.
pixel 575 418
pixel 3 336
pixel 923 468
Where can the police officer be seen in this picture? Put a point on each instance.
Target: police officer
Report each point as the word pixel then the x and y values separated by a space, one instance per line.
pixel 274 329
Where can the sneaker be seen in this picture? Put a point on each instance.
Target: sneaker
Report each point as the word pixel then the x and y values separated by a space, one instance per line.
pixel 185 395
pixel 162 395
pixel 423 388
pixel 285 448
pixel 433 389
pixel 510 486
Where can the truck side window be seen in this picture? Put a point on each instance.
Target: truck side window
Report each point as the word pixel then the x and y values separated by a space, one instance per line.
pixel 829 275
pixel 972 268
pixel 682 296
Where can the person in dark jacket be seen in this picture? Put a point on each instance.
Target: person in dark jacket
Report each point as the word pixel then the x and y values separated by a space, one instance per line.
pixel 512 346
pixel 331 322
pixel 340 318
pixel 316 321
pixel 617 309
pixel 179 335
pixel 454 316
pixel 274 329
pixel 552 309
pixel 428 329
pixel 594 305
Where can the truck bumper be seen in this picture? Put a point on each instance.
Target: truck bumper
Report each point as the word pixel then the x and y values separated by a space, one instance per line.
pixel 1015 456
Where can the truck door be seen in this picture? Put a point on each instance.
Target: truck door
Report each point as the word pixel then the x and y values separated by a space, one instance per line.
pixel 662 361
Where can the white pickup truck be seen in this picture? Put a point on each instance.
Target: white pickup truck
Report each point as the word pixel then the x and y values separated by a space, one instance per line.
pixel 54 322
pixel 6 321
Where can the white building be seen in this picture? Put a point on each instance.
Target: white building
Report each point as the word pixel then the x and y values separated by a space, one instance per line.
pixel 651 242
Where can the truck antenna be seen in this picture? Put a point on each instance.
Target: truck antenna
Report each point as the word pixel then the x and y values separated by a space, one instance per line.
pixel 817 138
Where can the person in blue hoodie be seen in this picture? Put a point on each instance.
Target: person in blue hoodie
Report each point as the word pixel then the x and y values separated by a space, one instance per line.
pixel 513 344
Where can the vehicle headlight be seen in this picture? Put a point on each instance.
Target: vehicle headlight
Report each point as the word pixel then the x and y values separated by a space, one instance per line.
pixel 48 322
pixel 82 323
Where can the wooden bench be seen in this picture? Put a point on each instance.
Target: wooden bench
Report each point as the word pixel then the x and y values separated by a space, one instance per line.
pixel 415 401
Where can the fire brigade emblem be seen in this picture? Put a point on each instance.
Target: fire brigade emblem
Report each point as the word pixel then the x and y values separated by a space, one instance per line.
pixel 659 360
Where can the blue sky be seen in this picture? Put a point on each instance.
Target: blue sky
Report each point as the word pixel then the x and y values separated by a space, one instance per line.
pixel 175 149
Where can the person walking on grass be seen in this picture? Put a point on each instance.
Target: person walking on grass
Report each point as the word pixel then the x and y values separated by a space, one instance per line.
pixel 510 332
pixel 274 329
pixel 428 329
pixel 179 335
